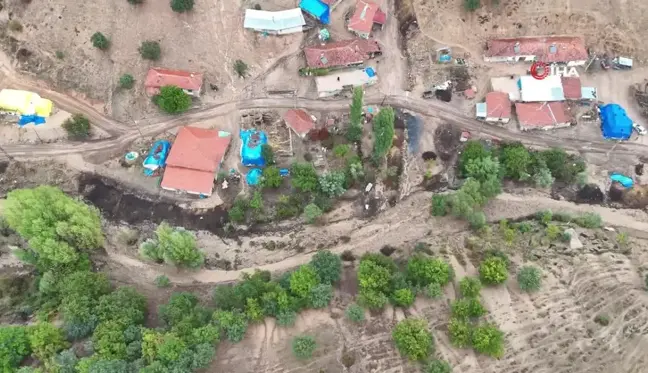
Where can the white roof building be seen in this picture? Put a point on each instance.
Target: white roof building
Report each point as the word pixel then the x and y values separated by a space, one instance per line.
pixel 281 22
pixel 336 82
pixel 507 84
pixel 541 90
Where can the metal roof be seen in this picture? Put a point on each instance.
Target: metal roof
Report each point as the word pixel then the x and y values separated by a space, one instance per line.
pixel 274 21
pixel 538 90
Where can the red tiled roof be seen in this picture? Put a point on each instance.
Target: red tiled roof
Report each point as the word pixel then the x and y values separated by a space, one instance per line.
pixel 195 153
pixel 568 48
pixel 157 78
pixel 498 105
pixel 540 114
pixel 299 121
pixel 340 53
pixel 571 88
pixel 366 13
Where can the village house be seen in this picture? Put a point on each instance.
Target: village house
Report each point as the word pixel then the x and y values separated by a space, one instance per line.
pixel 299 122
pixel 333 84
pixel 541 90
pixel 157 78
pixel 340 54
pixel 542 115
pixel 569 50
pixel 508 85
pixel 496 109
pixel 194 160
pixel 365 16
pixel 274 23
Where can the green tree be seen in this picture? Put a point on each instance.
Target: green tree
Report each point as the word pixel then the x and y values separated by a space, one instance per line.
pixel 383 128
pixel 543 178
pixel 439 205
pixel 354 132
pixel 286 318
pixel 180 305
pixel 467 308
pixel 459 331
pixel 312 212
pixel 304 177
pixel 14 347
pixel 470 287
pixel 373 299
pixel 46 340
pixel 477 220
pixel 233 323
pixel 150 50
pixel 423 271
pixel 55 225
pixel 433 291
pixel 126 81
pixel 171 349
pixel 303 280
pixel 256 203
pixel 173 100
pixel 488 340
pixel 516 160
pixel 100 41
pixel 472 150
pixel 65 362
pixel 341 150
pixel 328 266
pixel 355 313
pixel 320 296
pixel 174 246
pixel 162 281
pixel 124 304
pixel 303 346
pixel 267 153
pixel 182 6
pixel 493 271
pixel 77 127
pixel 529 279
pixel 372 276
pixel 109 342
pixel 413 339
pixel 472 5
pixel 28 370
pixel 482 169
pixel 403 297
pixel 203 356
pixel 332 183
pixel 437 366
pixel 562 166
pixel 241 68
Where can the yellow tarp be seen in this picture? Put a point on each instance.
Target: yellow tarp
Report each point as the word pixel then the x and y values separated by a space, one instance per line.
pixel 25 103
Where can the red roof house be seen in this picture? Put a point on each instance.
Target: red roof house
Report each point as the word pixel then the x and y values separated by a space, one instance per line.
pixel 194 160
pixel 157 78
pixel 542 115
pixel 498 107
pixel 341 53
pixel 547 49
pixel 571 88
pixel 366 14
pixel 299 121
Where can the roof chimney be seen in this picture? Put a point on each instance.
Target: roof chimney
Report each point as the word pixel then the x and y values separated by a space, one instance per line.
pixel 516 47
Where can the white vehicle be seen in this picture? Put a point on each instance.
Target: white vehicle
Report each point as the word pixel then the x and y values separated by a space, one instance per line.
pixel 639 128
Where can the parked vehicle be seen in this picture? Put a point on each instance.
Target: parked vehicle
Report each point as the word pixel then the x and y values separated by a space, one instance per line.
pixel 641 130
pixel 622 63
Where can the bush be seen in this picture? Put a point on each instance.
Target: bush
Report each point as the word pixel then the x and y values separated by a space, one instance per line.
pixel 589 220
pixel 437 366
pixel 470 287
pixel 543 178
pixel 529 279
pixel 403 297
pixel 150 50
pixel 173 100
pixel 552 231
pixel 182 6
pixel 328 266
pixel 472 150
pixel 477 220
pixel 488 340
pixel 341 150
pixel 241 68
pixel 372 299
pixel 286 318
pixel 602 319
pixel 332 184
pixel 271 177
pixel 459 332
pixel 563 166
pixel 422 271
pixel 472 5
pixel 14 347
pixel 516 161
pixel 482 169
pixel 46 340
pixel 311 213
pixel 434 290
pixel 267 153
pixel 77 127
pixel 383 129
pixel 126 81
pixel 493 271
pixel 304 346
pixel 439 205
pixel 413 339
pixel 303 280
pixel 373 276
pixel 304 177
pixel 467 308
pixel 109 342
pixel 125 305
pixel 355 313
pixel 233 323
pixel 100 41
pixel 162 281
pixel 238 210
pixel 321 295
pixel 174 246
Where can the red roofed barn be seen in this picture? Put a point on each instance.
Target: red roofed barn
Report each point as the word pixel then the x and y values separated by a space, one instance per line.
pixel 366 14
pixel 299 122
pixel 194 160
pixel 571 87
pixel 341 53
pixel 157 78
pixel 549 49
pixel 542 115
pixel 498 107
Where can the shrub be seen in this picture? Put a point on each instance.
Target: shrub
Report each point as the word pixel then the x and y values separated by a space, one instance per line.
pixel 303 280
pixel 135 2
pixel 162 281
pixel 332 184
pixel 182 6
pixel 173 100
pixel 516 161
pixel 472 5
pixel 477 220
pixel 403 297
pixel 237 212
pixel 304 346
pixel 312 212
pixel 529 279
pixel 493 271
pixel 439 205
pixel 341 150
pixel 124 304
pixel 321 295
pixel 46 340
pixel 562 166
pixel 423 271
pixel 241 68
pixel 109 342
pixel 304 177
pixel 437 366
pixel 233 323
pixel 434 290
pixel 413 339
pixel 271 177
pixel 383 129
pixel 174 246
pixel 459 332
pixel 472 150
pixel 286 318
pixel 482 169
pixel 150 50
pixel 14 347
pixel 355 313
pixel 543 178
pixel 77 127
pixel 328 266
pixel 100 41
pixel 372 299
pixel 488 340
pixel 589 220
pixel 372 276
pixel 470 287
pixel 267 153
pixel 126 81
pixel 552 231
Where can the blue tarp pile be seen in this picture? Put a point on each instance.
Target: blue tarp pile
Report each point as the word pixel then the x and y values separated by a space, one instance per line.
pixel 316 9
pixel 156 158
pixel 615 123
pixel 252 143
pixel 623 180
pixel 26 119
pixel 253 177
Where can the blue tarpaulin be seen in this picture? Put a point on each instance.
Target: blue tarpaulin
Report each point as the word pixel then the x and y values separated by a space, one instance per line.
pixel 316 9
pixel 26 119
pixel 254 176
pixel 156 157
pixel 623 180
pixel 370 72
pixel 615 123
pixel 252 143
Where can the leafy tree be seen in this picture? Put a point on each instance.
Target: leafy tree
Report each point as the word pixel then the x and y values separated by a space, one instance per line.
pixel 109 341
pixel 46 340
pixel 413 339
pixel 321 295
pixel 267 153
pixel 303 280
pixel 304 177
pixel 354 132
pixel 470 287
pixel 170 349
pixel 529 278
pixel 124 304
pixel 383 128
pixel 493 271
pixel 434 290
pixel 173 100
pixel 173 246
pixel 303 346
pixel 472 5
pixel 203 356
pixel 100 41
pixel 241 68
pixel 55 225
pixel 182 6
pixel 437 366
pixel 372 276
pixel 543 178
pixel 106 366
pixel 467 308
pixel 562 166
pixel 256 203
pixel 403 297
pixel 328 266
pixel 233 323
pixel 373 299
pixel 312 212
pixel 77 127
pixel 341 150
pixel 472 150
pixel 286 318
pixel 459 331
pixel 423 271
pixel 271 177
pixel 332 183
pixel 477 220
pixel 355 313
pixel 180 305
pixel 482 169
pixel 126 81
pixel 490 188
pixel 516 161
pixel 28 370
pixel 439 205
pixel 14 347
pixel 237 212
pixel 162 281
pixel 150 50
pixel 488 340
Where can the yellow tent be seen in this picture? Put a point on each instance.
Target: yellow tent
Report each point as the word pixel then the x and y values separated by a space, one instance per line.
pixel 24 103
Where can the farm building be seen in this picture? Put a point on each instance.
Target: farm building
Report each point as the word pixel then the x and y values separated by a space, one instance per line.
pixel 345 53
pixel 195 159
pixel 508 85
pixel 542 115
pixel 497 108
pixel 333 84
pixel 157 78
pixel 548 49
pixel 365 16
pixel 318 9
pixel 547 89
pixel 299 121
pixel 276 23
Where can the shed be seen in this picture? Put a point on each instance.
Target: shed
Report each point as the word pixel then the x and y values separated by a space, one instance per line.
pixel 299 121
pixel 615 123
pixel 281 22
pixel 498 107
pixel 541 90
pixel 317 9
pixel 588 93
pixel 480 110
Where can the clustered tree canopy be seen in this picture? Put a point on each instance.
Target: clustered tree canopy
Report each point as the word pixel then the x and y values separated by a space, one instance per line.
pixel 173 100
pixel 77 127
pixel 175 246
pixel 383 129
pixel 413 339
pixel 354 132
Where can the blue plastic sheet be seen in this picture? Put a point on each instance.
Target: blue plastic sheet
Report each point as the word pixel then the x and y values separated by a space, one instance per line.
pixel 254 176
pixel 317 9
pixel 370 72
pixel 627 182
pixel 252 143
pixel 157 157
pixel 615 123
pixel 284 172
pixel 27 119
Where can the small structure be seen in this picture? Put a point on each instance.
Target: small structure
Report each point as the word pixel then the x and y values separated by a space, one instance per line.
pixel 318 9
pixel 275 23
pixel 195 159
pixel 571 87
pixel 156 158
pixel 190 82
pixel 615 123
pixel 588 94
pixel 508 85
pixel 252 142
pixel 444 55
pixel 366 14
pixel 622 63
pixel 547 89
pixel 299 122
pixel 542 115
pixel 333 84
pixel 480 110
pixel 497 108
pixel 29 106
pixel 345 53
pixel 548 49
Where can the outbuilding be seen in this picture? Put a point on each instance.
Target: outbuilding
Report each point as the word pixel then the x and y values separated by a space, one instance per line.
pixel 276 23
